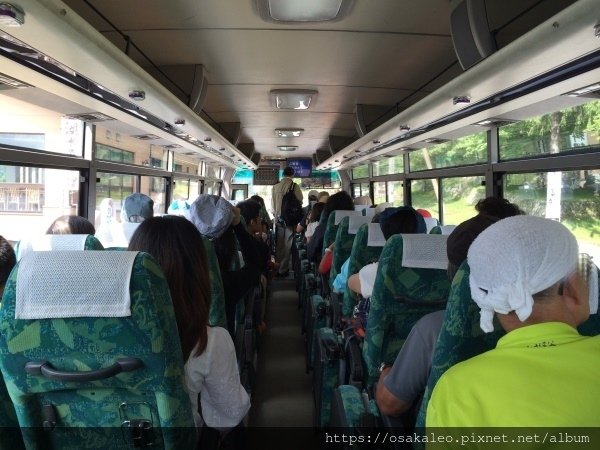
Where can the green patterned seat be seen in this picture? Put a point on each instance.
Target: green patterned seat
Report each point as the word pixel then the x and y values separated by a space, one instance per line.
pixel 460 337
pixel 360 256
pixel 216 317
pixel 401 296
pixel 57 242
pixel 341 249
pixel 99 413
pixel 330 232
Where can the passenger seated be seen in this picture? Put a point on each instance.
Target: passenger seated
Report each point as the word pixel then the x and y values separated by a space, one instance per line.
pixel 250 211
pixel 312 221
pixel 211 367
pixel 542 373
pixel 264 215
pixel 136 208
pixel 401 220
pixel 7 262
pixel 220 221
pixel 489 210
pixel 409 374
pixel 71 225
pixel 312 201
pixel 403 383
pixel 339 201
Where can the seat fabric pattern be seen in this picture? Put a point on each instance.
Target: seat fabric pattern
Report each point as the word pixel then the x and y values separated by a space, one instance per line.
pixel 90 414
pixel 390 317
pixel 216 317
pixel 461 337
pixel 360 256
pixel 341 248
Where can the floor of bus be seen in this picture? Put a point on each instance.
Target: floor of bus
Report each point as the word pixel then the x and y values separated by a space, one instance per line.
pixel 282 394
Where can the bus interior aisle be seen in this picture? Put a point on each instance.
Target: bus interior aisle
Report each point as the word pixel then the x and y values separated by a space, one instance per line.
pixel 282 400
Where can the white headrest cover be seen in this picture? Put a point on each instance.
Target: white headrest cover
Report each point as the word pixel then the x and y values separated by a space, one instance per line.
pixel 360 207
pixel 369 212
pixel 376 238
pixel 430 222
pixel 356 222
pixel 49 242
pixel 340 214
pixel 447 229
pixel 425 251
pixel 74 284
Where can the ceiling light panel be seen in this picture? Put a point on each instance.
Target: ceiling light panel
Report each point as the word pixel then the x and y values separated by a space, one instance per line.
pixel 289 132
pixel 287 148
pixel 304 11
pixel 298 99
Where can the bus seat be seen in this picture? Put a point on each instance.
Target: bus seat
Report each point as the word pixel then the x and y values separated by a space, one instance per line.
pixel 85 406
pixel 216 317
pixel 361 254
pixel 52 242
pixel 401 295
pixel 341 249
pixel 430 222
pixel 460 337
pixel 10 434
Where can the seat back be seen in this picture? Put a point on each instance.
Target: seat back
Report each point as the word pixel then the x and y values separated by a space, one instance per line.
pixel 460 337
pixel 401 296
pixel 83 406
pixel 216 317
pixel 341 248
pixel 360 255
pixel 60 242
pixel 330 232
pixel 430 223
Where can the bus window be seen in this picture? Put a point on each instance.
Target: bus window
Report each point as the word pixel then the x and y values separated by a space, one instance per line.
pixel 571 197
pixel 32 197
pixel 459 196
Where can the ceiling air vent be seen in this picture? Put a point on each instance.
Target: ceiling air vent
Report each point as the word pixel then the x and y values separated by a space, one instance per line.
pixel 90 117
pixel 146 137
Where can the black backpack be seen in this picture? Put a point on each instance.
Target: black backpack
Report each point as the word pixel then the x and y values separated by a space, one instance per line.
pixel 291 208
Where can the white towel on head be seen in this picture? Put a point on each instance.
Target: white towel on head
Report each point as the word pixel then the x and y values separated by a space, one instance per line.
pixel 515 258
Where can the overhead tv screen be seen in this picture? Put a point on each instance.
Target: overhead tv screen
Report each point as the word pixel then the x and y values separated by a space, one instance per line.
pixel 302 166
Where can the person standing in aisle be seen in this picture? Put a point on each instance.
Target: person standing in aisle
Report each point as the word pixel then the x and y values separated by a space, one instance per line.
pixel 284 231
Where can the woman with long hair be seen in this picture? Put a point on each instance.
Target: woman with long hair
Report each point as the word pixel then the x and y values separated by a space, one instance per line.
pixel 211 368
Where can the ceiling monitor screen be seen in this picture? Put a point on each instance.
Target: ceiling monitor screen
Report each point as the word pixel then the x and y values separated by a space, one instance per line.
pixel 302 166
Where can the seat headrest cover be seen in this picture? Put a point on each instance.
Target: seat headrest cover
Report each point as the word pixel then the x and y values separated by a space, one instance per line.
pixel 180 208
pixel 356 222
pixel 369 212
pixel 430 222
pixel 375 238
pixel 515 258
pixel 340 214
pixel 58 284
pixel 50 242
pixel 447 229
pixel 424 251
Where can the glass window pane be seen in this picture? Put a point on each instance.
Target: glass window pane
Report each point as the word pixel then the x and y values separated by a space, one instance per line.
pixel 181 189
pixel 365 189
pixel 23 124
pixel 185 164
pixel 155 188
pixel 194 190
pixel 360 172
pixel 114 146
pixel 425 196
pixel 32 197
pixel 110 193
pixel 571 197
pixel 460 196
pixel 356 190
pixel 212 171
pixel 379 195
pixel 460 152
pixel 389 166
pixel 568 130
pixel 395 192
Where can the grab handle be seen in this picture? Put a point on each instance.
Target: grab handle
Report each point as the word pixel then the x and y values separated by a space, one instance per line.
pixel 46 369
